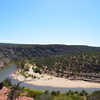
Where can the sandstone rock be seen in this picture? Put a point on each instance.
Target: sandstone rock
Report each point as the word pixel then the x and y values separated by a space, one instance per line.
pixel 24 98
pixel 4 95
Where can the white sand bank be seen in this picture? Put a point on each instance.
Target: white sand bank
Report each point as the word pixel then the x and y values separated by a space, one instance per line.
pixel 48 80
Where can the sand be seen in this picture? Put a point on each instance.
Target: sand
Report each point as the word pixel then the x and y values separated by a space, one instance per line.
pixel 47 80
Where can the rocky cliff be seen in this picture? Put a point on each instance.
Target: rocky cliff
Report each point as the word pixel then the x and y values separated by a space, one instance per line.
pixel 14 52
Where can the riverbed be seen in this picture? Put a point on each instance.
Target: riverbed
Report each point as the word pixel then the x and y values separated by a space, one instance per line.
pixel 11 68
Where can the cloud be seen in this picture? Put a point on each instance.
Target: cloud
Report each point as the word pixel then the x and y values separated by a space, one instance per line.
pixel 6 41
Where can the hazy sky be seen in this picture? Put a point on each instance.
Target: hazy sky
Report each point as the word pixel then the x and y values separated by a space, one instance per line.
pixel 50 21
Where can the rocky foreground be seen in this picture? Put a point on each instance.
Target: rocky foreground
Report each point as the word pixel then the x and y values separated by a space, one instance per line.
pixel 4 95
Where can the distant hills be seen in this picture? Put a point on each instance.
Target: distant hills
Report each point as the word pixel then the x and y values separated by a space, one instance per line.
pixel 12 52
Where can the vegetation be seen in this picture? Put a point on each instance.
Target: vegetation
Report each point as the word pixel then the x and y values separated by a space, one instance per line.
pixel 37 70
pixel 94 96
pixel 75 66
pixel 81 66
pixel 14 52
pixel 54 95
pixel 73 62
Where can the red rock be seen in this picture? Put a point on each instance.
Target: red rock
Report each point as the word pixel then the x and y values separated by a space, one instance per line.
pixel 24 98
pixel 4 95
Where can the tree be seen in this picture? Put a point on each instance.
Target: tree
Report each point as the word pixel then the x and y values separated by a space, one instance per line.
pixel 83 93
pixel 53 93
pixel 12 93
pixel 46 92
pixel 58 93
pixel 37 70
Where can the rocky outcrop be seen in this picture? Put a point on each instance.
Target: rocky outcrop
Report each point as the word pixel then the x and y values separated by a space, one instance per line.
pixel 24 98
pixel 4 95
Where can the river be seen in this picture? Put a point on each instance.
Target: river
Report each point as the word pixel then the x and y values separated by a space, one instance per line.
pixel 11 68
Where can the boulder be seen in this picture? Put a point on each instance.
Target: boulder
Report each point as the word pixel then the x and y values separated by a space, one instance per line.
pixel 4 93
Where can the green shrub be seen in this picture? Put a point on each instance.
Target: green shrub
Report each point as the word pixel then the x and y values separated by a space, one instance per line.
pixel 75 97
pixel 7 82
pixel 45 97
pixel 33 93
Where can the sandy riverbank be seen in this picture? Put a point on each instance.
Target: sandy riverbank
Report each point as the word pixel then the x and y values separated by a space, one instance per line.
pixel 47 80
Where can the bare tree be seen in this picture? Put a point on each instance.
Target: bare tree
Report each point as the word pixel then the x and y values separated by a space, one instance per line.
pixel 12 93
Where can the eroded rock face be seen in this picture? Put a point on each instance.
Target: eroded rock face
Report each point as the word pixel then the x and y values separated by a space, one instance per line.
pixel 14 52
pixel 4 95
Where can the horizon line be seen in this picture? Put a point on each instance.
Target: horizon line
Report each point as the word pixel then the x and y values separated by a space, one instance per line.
pixel 49 44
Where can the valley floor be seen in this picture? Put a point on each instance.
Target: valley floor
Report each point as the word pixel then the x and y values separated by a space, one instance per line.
pixel 47 80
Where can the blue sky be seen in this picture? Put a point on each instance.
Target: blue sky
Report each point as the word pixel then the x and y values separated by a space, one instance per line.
pixel 72 22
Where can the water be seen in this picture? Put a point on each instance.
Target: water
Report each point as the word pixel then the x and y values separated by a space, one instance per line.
pixel 5 73
pixel 11 68
pixel 63 90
